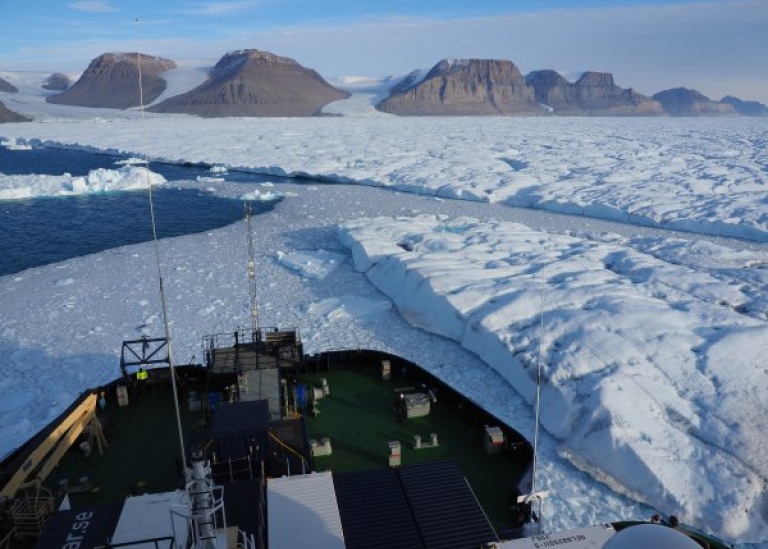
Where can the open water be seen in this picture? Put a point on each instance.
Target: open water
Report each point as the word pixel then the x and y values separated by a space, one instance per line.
pixel 39 231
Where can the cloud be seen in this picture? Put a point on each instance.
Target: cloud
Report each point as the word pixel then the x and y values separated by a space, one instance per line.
pixel 220 8
pixel 93 7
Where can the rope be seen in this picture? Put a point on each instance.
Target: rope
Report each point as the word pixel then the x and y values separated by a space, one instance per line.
pixel 284 445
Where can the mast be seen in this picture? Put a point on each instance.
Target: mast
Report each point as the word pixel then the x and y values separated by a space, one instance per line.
pixel 251 270
pixel 538 394
pixel 528 499
pixel 159 266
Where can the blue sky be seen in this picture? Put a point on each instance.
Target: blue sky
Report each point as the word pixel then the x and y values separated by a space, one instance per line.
pixel 715 46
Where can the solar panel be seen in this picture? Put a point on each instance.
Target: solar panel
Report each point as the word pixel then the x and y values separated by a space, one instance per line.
pixel 374 511
pixel 421 506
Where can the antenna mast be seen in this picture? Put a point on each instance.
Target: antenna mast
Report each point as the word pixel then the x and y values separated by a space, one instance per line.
pixel 538 394
pixel 251 270
pixel 534 495
pixel 157 260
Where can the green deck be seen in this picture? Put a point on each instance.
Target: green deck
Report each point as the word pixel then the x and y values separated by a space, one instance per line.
pixel 140 457
pixel 142 451
pixel 358 417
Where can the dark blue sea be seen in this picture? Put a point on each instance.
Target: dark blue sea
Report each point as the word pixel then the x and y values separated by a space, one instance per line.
pixel 39 231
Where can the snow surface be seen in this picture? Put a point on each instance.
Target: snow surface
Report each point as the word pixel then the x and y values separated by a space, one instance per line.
pixel 653 341
pixel 641 356
pixel 188 74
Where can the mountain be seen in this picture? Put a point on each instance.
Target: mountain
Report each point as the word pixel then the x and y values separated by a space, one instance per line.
pixel 594 93
pixel 408 81
pixel 110 81
pixel 255 83
pixel 56 82
pixel 465 87
pixel 7 115
pixel 6 86
pixel 685 102
pixel 473 87
pixel 247 83
pixel 745 108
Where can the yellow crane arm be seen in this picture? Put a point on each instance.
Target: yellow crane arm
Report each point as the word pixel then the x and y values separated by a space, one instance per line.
pixel 60 440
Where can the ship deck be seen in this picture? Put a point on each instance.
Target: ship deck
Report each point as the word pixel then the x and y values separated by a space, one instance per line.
pixel 142 454
pixel 358 417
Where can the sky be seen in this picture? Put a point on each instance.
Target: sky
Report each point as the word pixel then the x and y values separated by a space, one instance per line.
pixel 715 47
pixel 653 342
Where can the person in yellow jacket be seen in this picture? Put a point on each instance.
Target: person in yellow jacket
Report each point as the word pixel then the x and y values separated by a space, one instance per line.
pixel 141 381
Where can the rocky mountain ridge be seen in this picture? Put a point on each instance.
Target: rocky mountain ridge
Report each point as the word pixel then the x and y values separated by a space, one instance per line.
pixel 471 87
pixel 255 83
pixel 477 87
pixel 258 83
pixel 7 115
pixel 685 102
pixel 746 108
pixel 7 87
pixel 110 81
pixel 593 94
pixel 56 82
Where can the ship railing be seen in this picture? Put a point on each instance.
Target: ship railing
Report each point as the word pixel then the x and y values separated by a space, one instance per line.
pixel 146 353
pixel 5 542
pixel 281 343
pixel 245 540
pixel 260 334
pixel 204 522
pixel 284 344
pixel 232 469
pixel 266 334
pixel 227 340
pixel 31 508
pixel 262 507
pixel 165 542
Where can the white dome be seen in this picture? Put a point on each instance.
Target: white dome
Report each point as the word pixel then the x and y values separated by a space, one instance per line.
pixel 657 536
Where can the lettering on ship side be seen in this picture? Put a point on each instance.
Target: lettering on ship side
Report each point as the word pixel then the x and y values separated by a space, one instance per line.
pixel 78 530
pixel 548 540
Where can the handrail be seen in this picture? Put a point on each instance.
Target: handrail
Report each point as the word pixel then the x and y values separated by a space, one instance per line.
pixel 216 510
pixel 155 541
pixel 230 467
pixel 247 540
pixel 5 543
